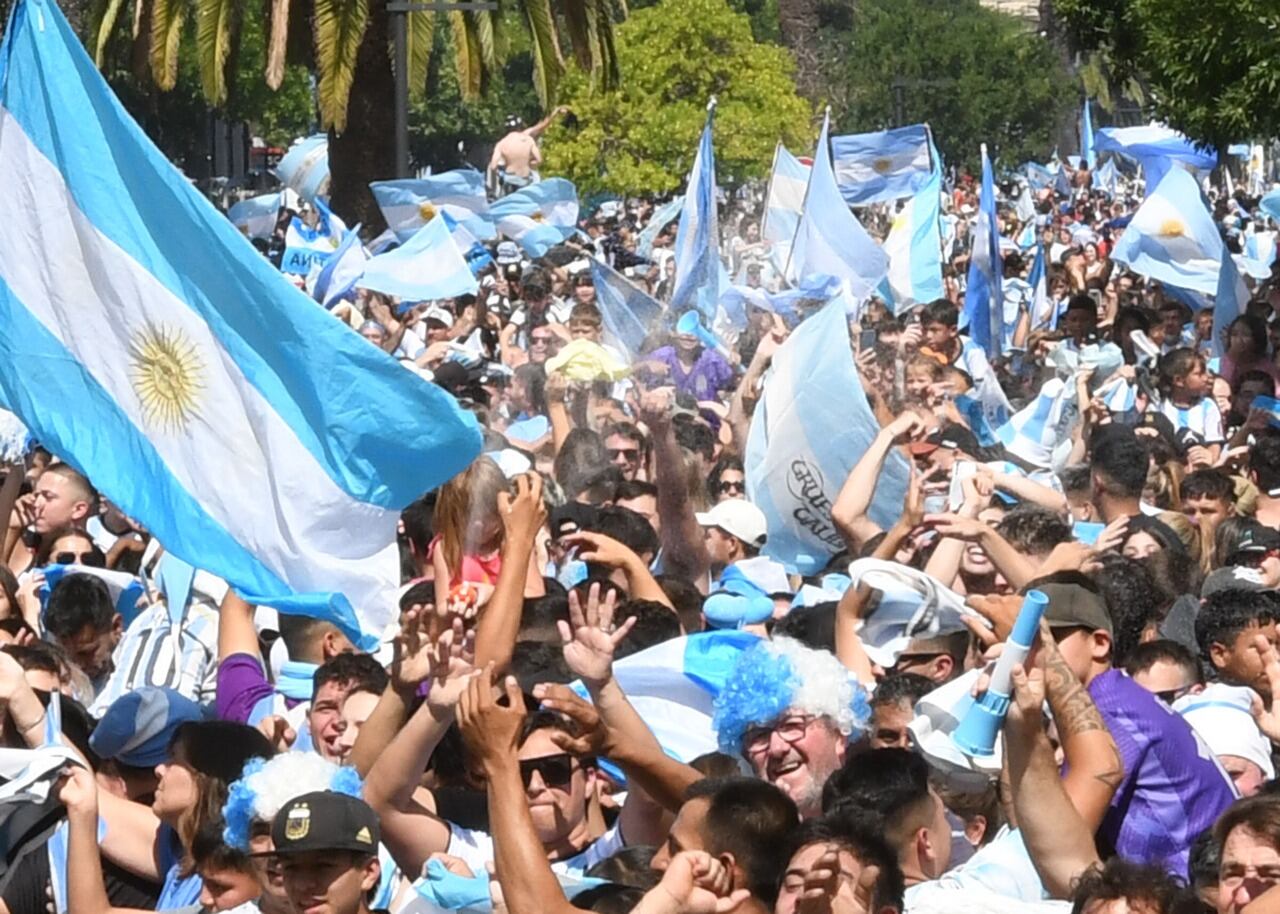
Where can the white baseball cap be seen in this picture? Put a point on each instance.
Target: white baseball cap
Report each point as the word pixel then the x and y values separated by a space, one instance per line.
pixel 737 517
pixel 437 313
pixel 1222 717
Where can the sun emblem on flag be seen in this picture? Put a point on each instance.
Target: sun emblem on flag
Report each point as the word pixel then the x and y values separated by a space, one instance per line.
pixel 426 211
pixel 538 216
pixel 882 166
pixel 168 374
pixel 1172 228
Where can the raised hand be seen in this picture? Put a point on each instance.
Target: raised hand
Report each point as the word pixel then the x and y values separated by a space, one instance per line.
pixel 523 512
pixel 591 736
pixel 599 549
pixel 491 731
pixel 697 883
pixel 1267 714
pixel 432 647
pixel 78 792
pixel 656 406
pixel 590 638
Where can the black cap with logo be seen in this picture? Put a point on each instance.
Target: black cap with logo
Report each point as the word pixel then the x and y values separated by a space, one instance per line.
pixel 325 821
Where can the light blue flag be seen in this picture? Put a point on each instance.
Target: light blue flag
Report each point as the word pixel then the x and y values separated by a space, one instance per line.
pixel 697 253
pixel 1036 431
pixel 885 165
pixel 830 240
pixel 1270 204
pixel 1039 176
pixel 1156 148
pixel 783 205
pixel 629 312
pixel 539 216
pixel 1172 237
pixel 1086 137
pixel 1259 254
pixel 256 216
pixel 428 266
pixel 255 436
pixel 914 247
pixel 1229 302
pixel 307 246
pixel 814 290
pixel 305 167
pixel 811 426
pixel 341 270
pixel 1044 311
pixel 411 203
pixel 657 222
pixel 1106 177
pixel 983 298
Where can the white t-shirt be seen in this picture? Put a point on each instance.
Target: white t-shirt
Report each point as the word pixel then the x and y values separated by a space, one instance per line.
pixel 476 848
pixel 999 878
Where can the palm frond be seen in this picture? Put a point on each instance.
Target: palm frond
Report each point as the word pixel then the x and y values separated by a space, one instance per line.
pixel 422 31
pixel 339 28
pixel 137 18
pixel 466 47
pixel 166 32
pixel 548 63
pixel 277 42
pixel 213 44
pixel 482 24
pixel 106 24
pixel 579 21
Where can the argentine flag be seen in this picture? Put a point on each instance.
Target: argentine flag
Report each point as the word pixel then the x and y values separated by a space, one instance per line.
pixel 1044 312
pixel 1157 149
pixel 783 205
pixel 307 246
pixel 144 339
pixel 885 165
pixel 1086 137
pixel 256 217
pixel 305 168
pixel 830 240
pixel 657 222
pixel 539 216
pixel 697 252
pixel 428 266
pixel 340 271
pixel 1172 237
pixel 914 246
pixel 630 314
pixel 983 298
pixel 409 204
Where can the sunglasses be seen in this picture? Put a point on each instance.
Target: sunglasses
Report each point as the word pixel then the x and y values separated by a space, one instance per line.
pixel 539 341
pixel 1169 696
pixel 93 560
pixel 555 770
pixel 631 454
pixel 733 485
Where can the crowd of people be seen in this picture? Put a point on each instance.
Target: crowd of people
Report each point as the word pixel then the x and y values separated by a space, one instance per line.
pixel 486 756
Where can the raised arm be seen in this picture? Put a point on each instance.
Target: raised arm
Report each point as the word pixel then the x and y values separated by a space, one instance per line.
pixel 523 514
pixel 684 552
pixel 850 509
pixel 492 735
pixel 537 129
pixel 86 890
pixel 557 391
pixel 596 548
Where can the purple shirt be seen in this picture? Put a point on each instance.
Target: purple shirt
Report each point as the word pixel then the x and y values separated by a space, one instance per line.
pixel 709 374
pixel 242 683
pixel 1173 787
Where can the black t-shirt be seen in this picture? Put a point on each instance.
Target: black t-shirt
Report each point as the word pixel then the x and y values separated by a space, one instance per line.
pixel 29 892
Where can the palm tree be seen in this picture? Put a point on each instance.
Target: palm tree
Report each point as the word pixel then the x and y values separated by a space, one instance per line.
pixel 346 43
pixel 798 23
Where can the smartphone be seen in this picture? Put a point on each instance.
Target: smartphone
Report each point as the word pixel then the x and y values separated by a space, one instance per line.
pixel 867 340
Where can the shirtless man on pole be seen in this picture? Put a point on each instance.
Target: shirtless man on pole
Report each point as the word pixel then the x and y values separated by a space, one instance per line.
pixel 516 157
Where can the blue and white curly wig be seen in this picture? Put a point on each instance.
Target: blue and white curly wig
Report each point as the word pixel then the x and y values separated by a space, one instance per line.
pixel 265 787
pixel 773 677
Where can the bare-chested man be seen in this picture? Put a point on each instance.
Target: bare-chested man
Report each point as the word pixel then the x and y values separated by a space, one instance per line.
pixel 516 157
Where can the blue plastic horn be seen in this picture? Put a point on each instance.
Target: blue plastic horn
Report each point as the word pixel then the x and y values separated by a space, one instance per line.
pixel 690 322
pixel 976 734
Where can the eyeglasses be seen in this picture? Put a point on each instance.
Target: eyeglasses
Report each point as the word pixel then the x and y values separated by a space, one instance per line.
pixel 1169 696
pixel 733 485
pixel 630 454
pixel 556 770
pixel 790 731
pixel 92 559
pixel 539 341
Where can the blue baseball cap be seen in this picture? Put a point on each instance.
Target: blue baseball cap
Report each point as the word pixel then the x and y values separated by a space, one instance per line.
pixel 137 728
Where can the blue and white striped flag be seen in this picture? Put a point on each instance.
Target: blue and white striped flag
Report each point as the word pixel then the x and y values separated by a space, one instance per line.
pixel 1157 149
pixel 1044 311
pixel 256 216
pixel 307 246
pixel 697 253
pixel 914 247
pixel 1259 254
pixel 1037 175
pixel 341 270
pixel 411 203
pixel 983 299
pixel 830 240
pixel 305 167
pixel 170 351
pixel 885 165
pixel 1086 137
pixel 426 267
pixel 1230 299
pixel 783 205
pixel 1270 204
pixel 1035 432
pixel 815 290
pixel 661 218
pixel 539 216
pixel 629 312
pixel 811 426
pixel 1172 237
pixel 1106 177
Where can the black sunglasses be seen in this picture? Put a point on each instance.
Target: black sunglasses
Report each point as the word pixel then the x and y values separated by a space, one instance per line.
pixel 630 453
pixel 91 559
pixel 556 770
pixel 733 485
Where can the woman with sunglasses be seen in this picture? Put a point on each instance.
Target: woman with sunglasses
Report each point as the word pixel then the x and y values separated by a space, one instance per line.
pixel 728 479
pixel 69 546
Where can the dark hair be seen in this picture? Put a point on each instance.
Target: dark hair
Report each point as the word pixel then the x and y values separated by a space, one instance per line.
pixel 417 518
pixel 696 437
pixel 539 615
pixel 626 430
pixel 655 623
pixel 1034 529
pixel 686 598
pixel 813 626
pixel 627 866
pixel 421 594
pixel 1259 814
pixel 1131 597
pixel 1175 364
pixel 1203 860
pixel 1120 464
pixel 857 835
pixel 1225 614
pixel 45 554
pixel 1257 329
pixel 1148 654
pixel 609 898
pixel 533 662
pixel 1075 478
pixel 581 457
pixel 300 632
pixel 628 528
pixel 882 781
pixel 900 687
pixel 76 601
pixel 1207 482
pixel 750 819
pixel 209 852
pixel 39 655
pixel 1158 892
pixel 1264 460
pixel 363 672
pixel 726 462
pixel 940 311
pixel 635 488
pixel 534 377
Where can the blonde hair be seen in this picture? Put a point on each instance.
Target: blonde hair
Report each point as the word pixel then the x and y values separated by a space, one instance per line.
pixel 1165 484
pixel 470 495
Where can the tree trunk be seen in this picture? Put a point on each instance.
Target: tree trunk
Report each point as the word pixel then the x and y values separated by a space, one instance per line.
pixel 798 23
pixel 365 151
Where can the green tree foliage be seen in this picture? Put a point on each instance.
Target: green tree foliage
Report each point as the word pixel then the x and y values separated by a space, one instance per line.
pixel 673 57
pixel 1212 66
pixel 975 75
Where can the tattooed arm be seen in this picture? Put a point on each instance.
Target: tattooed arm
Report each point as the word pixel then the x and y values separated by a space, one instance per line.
pixel 1094 767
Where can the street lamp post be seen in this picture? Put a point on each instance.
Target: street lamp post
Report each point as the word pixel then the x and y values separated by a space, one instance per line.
pixel 400 10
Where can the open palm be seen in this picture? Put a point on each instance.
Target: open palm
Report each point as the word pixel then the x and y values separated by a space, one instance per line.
pixel 589 637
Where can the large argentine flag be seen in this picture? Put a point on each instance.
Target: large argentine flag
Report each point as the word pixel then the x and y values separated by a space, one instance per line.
pixel 305 167
pixel 538 217
pixel 428 266
pixel 145 340
pixel 811 426
pixel 409 204
pixel 914 246
pixel 884 165
pixel 983 298
pixel 1172 237
pixel 1156 148
pixel 783 205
